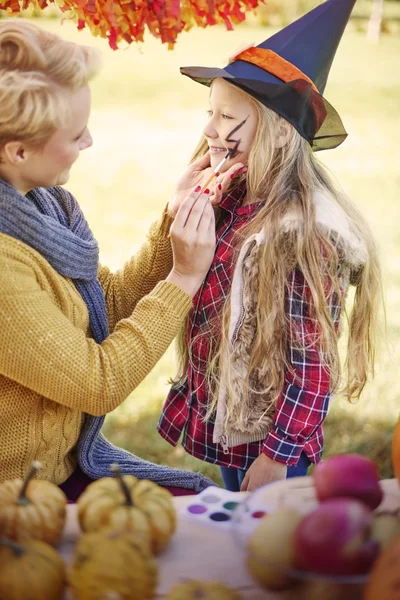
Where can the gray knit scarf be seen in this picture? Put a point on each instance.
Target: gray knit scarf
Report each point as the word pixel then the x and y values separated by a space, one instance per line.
pixel 51 221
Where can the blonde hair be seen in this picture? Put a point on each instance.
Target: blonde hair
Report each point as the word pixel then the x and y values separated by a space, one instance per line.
pixel 36 67
pixel 285 179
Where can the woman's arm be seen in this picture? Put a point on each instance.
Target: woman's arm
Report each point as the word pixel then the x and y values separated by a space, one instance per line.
pixel 43 351
pixel 152 263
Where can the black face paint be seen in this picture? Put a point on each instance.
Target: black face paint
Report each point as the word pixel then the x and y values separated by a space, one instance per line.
pixel 232 152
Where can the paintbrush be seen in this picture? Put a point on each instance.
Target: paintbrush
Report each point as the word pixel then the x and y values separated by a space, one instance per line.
pixel 231 152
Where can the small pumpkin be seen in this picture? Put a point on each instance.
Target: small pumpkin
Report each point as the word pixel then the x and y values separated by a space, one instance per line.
pixel 396 450
pixel 112 564
pixel 32 509
pixel 128 503
pixel 384 581
pixel 207 590
pixel 32 570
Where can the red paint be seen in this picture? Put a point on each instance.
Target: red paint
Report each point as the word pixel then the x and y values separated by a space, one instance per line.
pixel 259 514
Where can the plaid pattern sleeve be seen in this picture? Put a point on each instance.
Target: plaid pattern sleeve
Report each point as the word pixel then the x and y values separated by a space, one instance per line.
pixel 303 402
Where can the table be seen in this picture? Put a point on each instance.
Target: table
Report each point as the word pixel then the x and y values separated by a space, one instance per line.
pixel 198 552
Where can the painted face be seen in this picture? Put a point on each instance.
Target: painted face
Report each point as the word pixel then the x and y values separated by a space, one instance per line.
pixel 232 119
pixel 51 164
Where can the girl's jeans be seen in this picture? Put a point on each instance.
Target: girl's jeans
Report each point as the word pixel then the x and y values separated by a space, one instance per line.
pixel 233 478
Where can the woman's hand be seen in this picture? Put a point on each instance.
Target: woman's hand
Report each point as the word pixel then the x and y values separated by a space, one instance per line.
pixel 263 470
pixel 193 242
pixel 197 174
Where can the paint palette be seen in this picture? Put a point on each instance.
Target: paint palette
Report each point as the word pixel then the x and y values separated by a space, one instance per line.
pixel 213 506
pixel 216 507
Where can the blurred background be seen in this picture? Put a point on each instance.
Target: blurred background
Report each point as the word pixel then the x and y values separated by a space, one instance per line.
pixel 147 119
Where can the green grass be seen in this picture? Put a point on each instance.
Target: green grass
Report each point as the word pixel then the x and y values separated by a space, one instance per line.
pixel 146 120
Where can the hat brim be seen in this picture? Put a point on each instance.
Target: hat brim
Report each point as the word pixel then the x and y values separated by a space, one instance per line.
pixel 205 75
pixel 283 98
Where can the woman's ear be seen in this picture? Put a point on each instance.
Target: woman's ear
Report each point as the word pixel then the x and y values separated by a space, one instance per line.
pixel 14 153
pixel 284 134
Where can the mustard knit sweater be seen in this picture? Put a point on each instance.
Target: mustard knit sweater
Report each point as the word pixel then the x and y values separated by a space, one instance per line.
pixel 52 371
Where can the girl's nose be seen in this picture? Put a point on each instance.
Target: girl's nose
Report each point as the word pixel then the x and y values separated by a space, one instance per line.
pixel 86 140
pixel 209 130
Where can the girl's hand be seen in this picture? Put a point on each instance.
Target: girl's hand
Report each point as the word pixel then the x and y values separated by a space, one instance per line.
pixel 193 242
pixel 263 470
pixel 197 174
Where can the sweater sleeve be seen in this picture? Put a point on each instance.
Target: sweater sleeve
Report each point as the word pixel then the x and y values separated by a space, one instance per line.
pixel 152 263
pixel 41 349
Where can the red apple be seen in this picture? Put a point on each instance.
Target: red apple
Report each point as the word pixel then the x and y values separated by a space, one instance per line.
pixel 348 475
pixel 334 539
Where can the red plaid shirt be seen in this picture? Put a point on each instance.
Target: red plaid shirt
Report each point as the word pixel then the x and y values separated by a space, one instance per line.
pixel 303 402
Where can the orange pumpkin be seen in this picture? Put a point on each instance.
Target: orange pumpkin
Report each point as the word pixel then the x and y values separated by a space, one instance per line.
pixel 32 509
pixel 396 450
pixel 129 504
pixel 384 581
pixel 30 571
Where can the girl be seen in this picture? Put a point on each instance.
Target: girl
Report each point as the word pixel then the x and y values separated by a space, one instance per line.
pixel 259 355
pixel 75 338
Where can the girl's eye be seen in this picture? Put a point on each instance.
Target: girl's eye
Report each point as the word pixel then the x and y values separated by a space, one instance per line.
pixel 223 115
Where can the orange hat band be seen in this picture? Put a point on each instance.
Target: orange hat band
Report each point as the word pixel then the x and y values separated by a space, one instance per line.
pixel 287 72
pixel 274 64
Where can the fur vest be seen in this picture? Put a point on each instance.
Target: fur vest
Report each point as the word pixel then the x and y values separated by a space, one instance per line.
pixel 251 423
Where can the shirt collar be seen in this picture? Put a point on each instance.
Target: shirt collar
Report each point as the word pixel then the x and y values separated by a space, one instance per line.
pixel 231 201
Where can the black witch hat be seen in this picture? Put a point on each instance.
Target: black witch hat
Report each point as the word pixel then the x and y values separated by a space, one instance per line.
pixel 288 72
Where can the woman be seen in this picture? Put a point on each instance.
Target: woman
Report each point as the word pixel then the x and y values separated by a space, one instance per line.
pixel 75 338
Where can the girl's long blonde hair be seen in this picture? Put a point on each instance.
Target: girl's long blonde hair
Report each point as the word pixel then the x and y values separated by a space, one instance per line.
pixel 36 68
pixel 285 179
